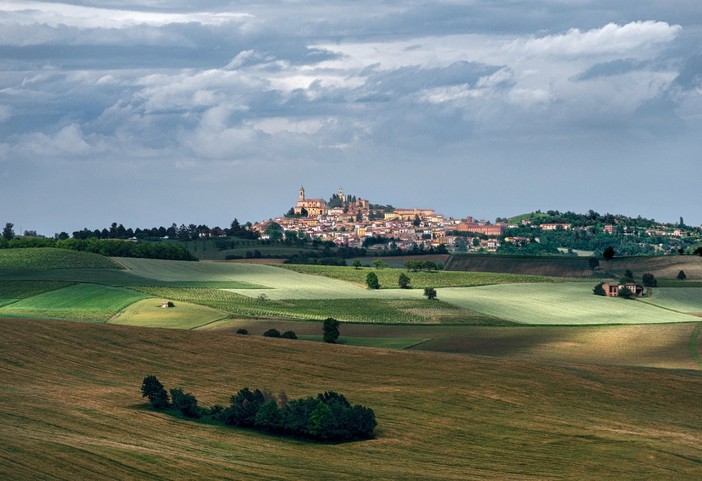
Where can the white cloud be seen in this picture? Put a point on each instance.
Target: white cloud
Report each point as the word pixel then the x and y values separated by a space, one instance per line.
pixel 633 39
pixel 64 14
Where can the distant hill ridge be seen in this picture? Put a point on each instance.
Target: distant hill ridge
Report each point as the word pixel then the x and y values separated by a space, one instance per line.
pixel 664 267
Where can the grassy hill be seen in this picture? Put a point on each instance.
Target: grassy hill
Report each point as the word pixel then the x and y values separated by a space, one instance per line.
pixel 663 267
pixel 48 258
pixel 70 408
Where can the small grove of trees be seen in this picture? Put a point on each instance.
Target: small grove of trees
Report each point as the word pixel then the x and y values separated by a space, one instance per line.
pixel 328 417
pixel 608 253
pixel 276 333
pixel 414 266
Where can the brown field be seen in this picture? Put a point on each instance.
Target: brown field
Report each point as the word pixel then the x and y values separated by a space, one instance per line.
pixel 670 346
pixel 70 408
pixel 663 267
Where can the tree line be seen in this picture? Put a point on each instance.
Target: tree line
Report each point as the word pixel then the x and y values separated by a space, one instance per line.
pixel 328 417
pixel 110 248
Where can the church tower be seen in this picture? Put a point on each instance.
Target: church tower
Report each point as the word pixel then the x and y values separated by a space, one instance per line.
pixel 341 195
pixel 301 194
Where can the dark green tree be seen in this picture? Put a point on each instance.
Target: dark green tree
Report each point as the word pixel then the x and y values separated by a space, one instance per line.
pixel 372 281
pixel 608 253
pixel 682 276
pixel 593 263
pixel 330 330
pixel 152 389
pixel 272 332
pixel 598 290
pixel 627 277
pixel 7 232
pixel 288 335
pixel 185 402
pixel 430 293
pixel 356 264
pixel 404 281
pixel 244 408
pixel 649 280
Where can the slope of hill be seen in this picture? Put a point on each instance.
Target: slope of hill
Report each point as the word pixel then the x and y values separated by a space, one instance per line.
pixel 664 267
pixel 70 408
pixel 48 258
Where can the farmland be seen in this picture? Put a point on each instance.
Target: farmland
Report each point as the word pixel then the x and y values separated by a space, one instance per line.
pixel 51 258
pixel 70 408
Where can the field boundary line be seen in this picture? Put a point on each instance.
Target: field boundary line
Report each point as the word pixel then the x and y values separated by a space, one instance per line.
pixel 694 340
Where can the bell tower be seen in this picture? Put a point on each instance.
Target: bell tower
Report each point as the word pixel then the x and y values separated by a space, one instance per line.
pixel 301 194
pixel 341 195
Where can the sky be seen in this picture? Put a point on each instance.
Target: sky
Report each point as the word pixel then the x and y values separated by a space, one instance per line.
pixel 153 112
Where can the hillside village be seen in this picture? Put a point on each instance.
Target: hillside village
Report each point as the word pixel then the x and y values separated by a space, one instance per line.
pixel 349 221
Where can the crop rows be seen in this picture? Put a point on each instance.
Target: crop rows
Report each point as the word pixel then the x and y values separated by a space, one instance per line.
pixel 409 311
pixel 44 258
pixel 388 278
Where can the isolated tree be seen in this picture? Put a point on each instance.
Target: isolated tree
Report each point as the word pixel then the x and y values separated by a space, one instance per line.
pixel 372 281
pixel 430 293
pixel 404 281
pixel 417 221
pixel 608 253
pixel 649 280
pixel 152 389
pixel 598 290
pixel 356 264
pixel 378 263
pixel 288 335
pixel 330 328
pixel 242 331
pixel 682 276
pixel 7 232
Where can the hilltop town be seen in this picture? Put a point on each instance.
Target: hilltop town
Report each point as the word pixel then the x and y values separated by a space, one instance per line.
pixel 350 221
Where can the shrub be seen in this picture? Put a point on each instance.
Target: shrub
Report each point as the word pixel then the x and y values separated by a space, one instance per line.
pixel 289 335
pixel 242 331
pixel 152 389
pixel 430 293
pixel 272 333
pixel 598 290
pixel 372 281
pixel 682 276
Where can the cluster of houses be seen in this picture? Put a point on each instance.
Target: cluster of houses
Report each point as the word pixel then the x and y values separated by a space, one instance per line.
pixel 351 221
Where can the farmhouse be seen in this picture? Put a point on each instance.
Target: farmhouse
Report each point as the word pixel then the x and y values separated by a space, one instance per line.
pixel 612 289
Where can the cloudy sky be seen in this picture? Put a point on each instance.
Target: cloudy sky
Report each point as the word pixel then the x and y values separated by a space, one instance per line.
pixel 151 112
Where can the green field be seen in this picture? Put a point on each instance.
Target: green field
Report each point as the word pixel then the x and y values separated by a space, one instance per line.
pixel 419 280
pixel 149 313
pixel 563 304
pixel 85 302
pixel 46 258
pixel 70 408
